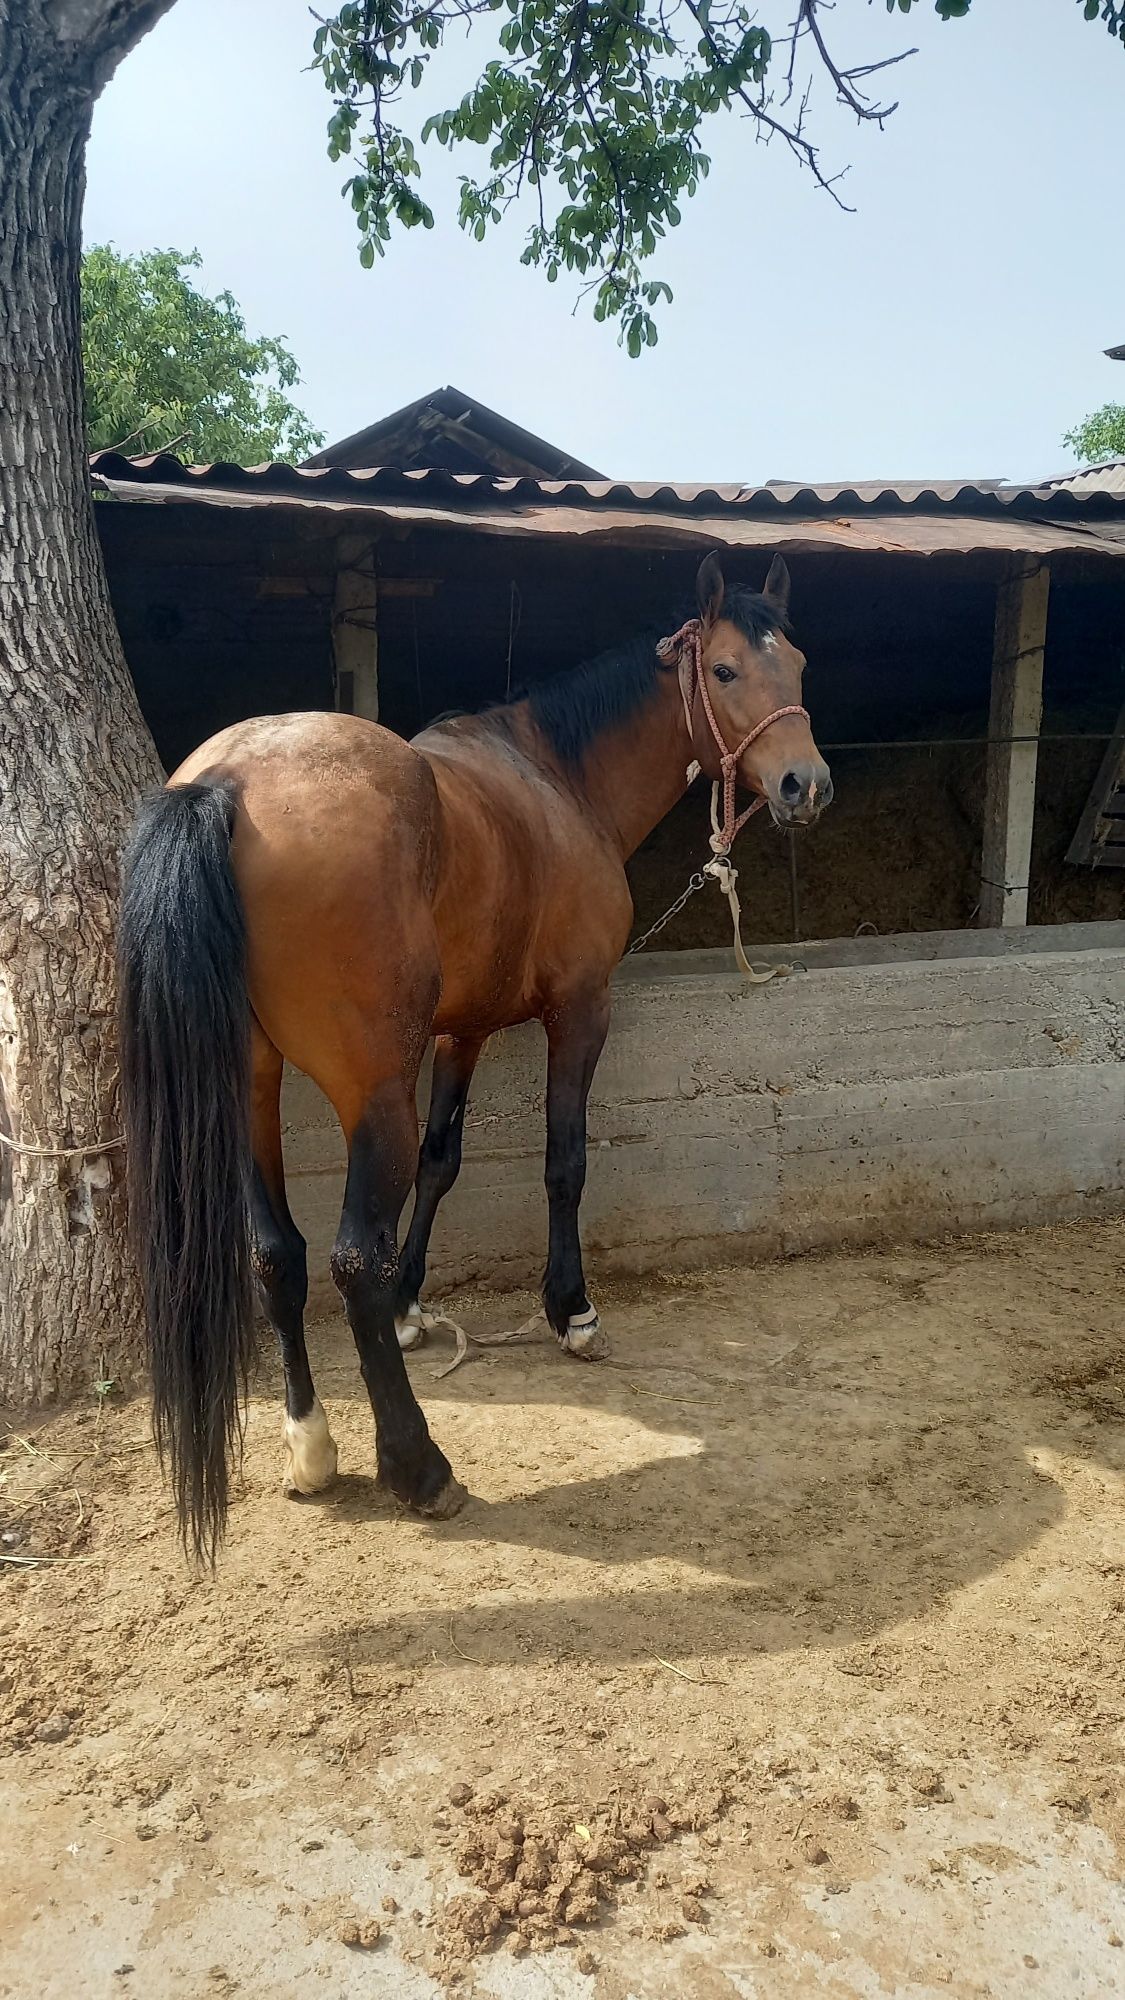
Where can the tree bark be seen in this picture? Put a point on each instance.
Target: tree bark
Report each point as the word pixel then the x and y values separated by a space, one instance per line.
pixel 74 750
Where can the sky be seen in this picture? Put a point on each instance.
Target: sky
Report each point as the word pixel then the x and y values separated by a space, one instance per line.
pixel 953 326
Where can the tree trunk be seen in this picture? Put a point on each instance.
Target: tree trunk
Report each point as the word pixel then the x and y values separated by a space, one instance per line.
pixel 74 750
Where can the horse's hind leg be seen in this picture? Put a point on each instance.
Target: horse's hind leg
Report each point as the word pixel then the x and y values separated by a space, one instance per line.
pixel 576 1033
pixel 278 1253
pixel 382 1160
pixel 439 1165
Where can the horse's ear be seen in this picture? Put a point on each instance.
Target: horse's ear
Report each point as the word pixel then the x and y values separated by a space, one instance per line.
pixel 775 590
pixel 710 588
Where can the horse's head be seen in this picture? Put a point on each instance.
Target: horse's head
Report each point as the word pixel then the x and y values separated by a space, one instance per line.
pixel 750 670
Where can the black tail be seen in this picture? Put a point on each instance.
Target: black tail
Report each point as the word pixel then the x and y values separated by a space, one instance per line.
pixel 185 1061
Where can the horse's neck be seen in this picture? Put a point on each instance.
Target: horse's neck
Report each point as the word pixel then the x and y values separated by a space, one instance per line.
pixel 633 775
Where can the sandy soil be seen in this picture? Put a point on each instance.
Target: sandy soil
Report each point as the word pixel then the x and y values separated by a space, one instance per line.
pixel 781 1655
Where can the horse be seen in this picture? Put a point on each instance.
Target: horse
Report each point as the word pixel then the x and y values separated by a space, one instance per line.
pixel 312 888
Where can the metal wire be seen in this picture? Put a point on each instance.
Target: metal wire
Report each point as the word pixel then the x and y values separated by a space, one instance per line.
pixel 957 742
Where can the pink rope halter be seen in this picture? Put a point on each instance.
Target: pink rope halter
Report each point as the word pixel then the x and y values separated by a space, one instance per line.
pixel 687 644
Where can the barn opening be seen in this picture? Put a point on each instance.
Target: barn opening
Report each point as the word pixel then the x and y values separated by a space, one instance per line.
pixel 408 593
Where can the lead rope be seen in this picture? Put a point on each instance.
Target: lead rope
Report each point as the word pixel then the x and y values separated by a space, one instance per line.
pixel 722 870
pixel 585 1326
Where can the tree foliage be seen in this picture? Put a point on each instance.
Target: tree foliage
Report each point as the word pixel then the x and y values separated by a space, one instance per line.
pixel 1099 436
pixel 591 114
pixel 170 369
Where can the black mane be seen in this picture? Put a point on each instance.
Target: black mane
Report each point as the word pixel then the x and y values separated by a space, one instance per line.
pixel 575 706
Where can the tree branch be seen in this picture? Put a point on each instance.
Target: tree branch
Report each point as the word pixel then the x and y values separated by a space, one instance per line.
pixel 845 79
pixel 93 35
pixel 442 11
pixel 794 137
pixel 602 143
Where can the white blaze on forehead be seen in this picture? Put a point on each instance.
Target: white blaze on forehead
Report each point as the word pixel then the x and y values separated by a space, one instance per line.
pixel 769 642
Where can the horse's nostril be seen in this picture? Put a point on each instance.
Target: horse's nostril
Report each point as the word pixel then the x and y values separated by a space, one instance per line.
pixel 791 790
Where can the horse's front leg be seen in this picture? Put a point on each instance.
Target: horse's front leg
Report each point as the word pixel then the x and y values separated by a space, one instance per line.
pixel 576 1035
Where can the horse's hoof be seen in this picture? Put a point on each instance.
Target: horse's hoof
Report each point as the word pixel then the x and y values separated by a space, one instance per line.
pixel 410 1327
pixel 585 1337
pixel 310 1452
pixel 425 1484
pixel 445 1504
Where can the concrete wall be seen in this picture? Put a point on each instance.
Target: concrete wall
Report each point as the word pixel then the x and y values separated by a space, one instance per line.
pixel 982 1086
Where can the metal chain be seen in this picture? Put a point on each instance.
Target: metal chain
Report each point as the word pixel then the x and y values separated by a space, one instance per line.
pixel 698 881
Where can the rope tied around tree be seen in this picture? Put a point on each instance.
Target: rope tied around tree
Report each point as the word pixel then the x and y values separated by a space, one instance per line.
pixel 61 1152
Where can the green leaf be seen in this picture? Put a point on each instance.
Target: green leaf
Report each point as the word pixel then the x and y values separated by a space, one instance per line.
pixel 165 364
pixel 590 122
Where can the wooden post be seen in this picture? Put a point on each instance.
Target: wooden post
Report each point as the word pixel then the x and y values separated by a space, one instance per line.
pixel 355 635
pixel 1015 710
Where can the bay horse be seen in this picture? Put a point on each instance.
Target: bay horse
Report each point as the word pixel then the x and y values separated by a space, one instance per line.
pixel 314 889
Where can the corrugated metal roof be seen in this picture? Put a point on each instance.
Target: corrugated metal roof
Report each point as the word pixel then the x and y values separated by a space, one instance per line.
pixel 469 491
pixel 519 509
pixel 1108 477
pixel 873 492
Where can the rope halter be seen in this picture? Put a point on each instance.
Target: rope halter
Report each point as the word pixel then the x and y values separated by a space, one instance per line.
pixel 685 650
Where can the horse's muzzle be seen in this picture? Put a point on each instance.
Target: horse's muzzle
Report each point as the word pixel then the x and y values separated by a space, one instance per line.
pixel 801 794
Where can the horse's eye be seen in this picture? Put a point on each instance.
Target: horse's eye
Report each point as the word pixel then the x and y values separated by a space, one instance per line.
pixel 724 674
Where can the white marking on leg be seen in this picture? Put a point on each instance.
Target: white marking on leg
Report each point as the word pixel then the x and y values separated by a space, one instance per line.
pixel 410 1327
pixel 415 1323
pixel 310 1452
pixel 584 1336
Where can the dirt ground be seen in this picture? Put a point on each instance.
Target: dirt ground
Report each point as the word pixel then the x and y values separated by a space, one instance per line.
pixel 783 1654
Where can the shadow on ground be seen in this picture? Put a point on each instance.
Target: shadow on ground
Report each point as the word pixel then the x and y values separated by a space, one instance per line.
pixel 804 1455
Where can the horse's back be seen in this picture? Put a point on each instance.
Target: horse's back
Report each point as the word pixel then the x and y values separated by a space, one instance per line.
pixel 532 899
pixel 335 855
pixel 318 751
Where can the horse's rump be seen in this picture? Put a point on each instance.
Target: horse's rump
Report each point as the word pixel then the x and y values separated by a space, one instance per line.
pixel 336 851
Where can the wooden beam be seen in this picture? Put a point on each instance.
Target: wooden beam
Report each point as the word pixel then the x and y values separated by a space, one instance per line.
pixel 1099 839
pixel 355 635
pixel 1015 711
